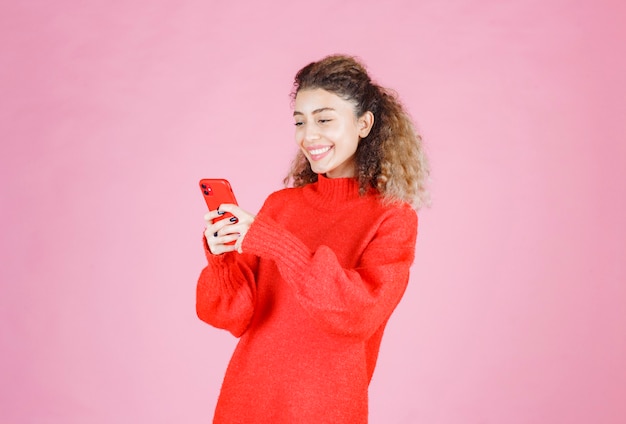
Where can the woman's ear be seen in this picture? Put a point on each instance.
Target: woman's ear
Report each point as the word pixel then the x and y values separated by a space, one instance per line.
pixel 365 124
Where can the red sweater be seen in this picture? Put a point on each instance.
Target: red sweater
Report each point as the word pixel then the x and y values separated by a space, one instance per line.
pixel 322 270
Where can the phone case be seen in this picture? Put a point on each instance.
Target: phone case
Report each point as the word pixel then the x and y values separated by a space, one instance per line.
pixel 215 192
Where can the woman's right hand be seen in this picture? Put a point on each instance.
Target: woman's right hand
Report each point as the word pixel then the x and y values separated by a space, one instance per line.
pixel 217 234
pixel 221 234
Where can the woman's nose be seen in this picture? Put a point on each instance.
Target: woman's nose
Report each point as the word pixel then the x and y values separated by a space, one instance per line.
pixel 311 133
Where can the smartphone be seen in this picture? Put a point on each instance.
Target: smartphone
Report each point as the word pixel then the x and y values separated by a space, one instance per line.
pixel 215 192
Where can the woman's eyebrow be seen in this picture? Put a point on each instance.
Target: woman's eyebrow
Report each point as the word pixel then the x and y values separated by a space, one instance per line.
pixel 322 109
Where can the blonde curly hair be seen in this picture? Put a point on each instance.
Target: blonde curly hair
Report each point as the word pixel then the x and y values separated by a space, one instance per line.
pixel 391 158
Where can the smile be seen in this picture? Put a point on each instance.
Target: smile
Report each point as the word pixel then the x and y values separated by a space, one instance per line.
pixel 319 151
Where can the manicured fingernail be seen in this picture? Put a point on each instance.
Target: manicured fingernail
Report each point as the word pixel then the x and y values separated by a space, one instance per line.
pixel 219 212
pixel 215 234
pixel 233 219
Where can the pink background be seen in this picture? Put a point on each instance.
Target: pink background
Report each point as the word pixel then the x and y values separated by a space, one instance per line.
pixel 111 111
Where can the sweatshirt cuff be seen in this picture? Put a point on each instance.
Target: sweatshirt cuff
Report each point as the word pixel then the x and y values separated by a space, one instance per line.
pixel 267 239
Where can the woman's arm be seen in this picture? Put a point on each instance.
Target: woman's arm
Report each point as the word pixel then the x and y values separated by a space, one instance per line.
pixel 226 291
pixel 351 302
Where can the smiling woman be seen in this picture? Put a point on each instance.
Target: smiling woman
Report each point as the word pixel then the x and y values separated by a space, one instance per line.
pixel 389 155
pixel 328 132
pixel 312 280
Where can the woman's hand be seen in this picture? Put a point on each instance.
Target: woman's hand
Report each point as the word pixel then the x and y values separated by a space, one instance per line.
pixel 219 233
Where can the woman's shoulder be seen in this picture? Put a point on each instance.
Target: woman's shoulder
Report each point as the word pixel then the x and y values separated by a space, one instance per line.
pixel 287 192
pixel 398 211
pixel 279 197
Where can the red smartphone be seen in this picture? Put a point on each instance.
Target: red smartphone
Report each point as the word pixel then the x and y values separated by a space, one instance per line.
pixel 215 192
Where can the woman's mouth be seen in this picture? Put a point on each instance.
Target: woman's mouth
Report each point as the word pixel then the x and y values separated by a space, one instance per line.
pixel 318 153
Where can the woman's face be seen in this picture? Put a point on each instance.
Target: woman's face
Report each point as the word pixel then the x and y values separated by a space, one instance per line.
pixel 328 131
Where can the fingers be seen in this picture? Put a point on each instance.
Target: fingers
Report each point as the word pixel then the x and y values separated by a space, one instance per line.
pixel 210 216
pixel 221 244
pixel 221 210
pixel 220 240
pixel 221 228
pixel 243 217
pixel 221 233
pixel 228 207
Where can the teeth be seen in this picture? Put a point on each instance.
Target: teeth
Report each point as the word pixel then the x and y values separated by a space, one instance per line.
pixel 319 151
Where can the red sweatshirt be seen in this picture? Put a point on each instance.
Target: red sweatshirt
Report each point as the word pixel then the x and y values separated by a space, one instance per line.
pixel 322 270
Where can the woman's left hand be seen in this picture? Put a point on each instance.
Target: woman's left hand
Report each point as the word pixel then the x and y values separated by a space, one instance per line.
pixel 240 226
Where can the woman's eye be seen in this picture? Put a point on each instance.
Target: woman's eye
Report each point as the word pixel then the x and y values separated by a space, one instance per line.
pixel 297 124
pixel 324 121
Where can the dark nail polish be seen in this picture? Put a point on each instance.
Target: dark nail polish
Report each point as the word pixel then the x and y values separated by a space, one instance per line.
pixel 215 234
pixel 233 219
pixel 219 212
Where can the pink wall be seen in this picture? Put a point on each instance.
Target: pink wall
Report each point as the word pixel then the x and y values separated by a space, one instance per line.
pixel 111 111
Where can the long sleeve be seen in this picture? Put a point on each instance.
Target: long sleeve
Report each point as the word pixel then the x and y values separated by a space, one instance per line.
pixel 352 302
pixel 226 290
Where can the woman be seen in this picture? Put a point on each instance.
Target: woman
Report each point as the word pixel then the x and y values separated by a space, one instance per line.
pixel 312 279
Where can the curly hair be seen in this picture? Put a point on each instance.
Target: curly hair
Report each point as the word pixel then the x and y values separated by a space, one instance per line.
pixel 391 158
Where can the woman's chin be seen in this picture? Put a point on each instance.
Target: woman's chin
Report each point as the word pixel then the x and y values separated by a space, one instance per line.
pixel 319 169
